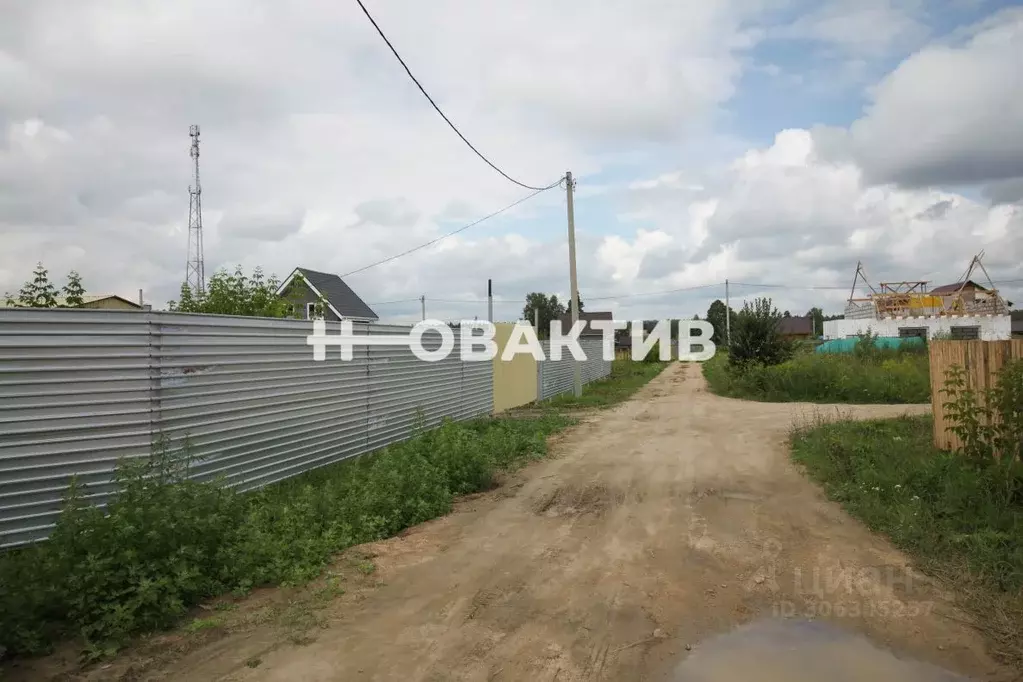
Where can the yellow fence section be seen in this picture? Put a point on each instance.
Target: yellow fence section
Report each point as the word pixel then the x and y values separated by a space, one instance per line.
pixel 982 361
pixel 514 380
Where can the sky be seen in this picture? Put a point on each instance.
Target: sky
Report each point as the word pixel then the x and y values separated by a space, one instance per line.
pixel 770 143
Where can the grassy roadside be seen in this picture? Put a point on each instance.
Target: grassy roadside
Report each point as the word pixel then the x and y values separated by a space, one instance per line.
pixel 958 521
pixel 166 544
pixel 886 378
pixel 625 379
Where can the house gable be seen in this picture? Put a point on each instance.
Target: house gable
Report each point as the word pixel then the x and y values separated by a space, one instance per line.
pixel 342 302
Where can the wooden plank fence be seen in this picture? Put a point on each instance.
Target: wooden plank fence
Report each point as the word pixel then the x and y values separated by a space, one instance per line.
pixel 982 361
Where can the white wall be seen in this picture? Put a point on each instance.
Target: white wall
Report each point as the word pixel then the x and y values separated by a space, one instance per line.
pixel 992 328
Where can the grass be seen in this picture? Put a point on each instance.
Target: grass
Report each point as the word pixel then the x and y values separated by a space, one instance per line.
pixel 958 519
pixel 625 379
pixel 894 377
pixel 165 544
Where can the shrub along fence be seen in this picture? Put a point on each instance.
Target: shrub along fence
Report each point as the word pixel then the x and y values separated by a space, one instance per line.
pixel 980 362
pixel 81 389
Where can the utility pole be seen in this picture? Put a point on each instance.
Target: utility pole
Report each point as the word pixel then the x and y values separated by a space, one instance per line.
pixel 422 302
pixel 536 321
pixel 195 272
pixel 490 300
pixel 728 318
pixel 570 188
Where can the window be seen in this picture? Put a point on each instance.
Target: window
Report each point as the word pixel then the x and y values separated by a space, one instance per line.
pixel 908 332
pixel 310 311
pixel 966 333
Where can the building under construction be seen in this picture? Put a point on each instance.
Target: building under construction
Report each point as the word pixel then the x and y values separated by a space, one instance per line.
pixel 964 309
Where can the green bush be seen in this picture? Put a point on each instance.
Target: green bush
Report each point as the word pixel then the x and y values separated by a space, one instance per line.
pixel 756 336
pixel 989 422
pixel 166 543
pixel 886 377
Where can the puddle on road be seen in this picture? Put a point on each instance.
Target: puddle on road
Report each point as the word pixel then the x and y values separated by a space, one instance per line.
pixel 800 651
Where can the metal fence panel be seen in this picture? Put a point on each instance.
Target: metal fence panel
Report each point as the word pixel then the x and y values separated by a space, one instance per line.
pixel 252 404
pixel 555 377
pixel 75 396
pixel 81 389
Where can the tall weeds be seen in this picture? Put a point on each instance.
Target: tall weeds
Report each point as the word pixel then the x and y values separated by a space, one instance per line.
pixel 989 423
pixel 165 543
pixel 880 376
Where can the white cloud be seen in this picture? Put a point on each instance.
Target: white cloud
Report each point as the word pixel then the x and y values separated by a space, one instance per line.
pixel 784 215
pixel 951 113
pixel 318 151
pixel 316 148
pixel 870 27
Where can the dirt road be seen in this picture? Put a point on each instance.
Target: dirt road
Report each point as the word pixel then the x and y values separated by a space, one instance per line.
pixel 672 518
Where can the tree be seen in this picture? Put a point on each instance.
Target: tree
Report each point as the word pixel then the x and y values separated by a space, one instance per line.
pixel 235 294
pixel 756 336
pixel 816 316
pixel 38 292
pixel 717 316
pixel 549 309
pixel 73 291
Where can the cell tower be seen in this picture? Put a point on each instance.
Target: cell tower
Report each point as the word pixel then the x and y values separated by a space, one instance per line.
pixel 195 272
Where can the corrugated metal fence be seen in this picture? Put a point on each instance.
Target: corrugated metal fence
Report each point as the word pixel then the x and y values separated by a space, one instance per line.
pixel 557 376
pixel 81 389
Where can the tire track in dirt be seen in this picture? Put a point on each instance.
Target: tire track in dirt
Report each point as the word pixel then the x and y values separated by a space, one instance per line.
pixel 675 516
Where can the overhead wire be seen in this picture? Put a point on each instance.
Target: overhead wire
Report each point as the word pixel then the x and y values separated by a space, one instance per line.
pixel 787 286
pixel 401 300
pixel 656 293
pixel 438 109
pixel 616 297
pixel 449 234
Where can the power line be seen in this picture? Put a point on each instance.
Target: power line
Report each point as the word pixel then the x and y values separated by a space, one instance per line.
pixel 506 301
pixel 446 119
pixel 449 234
pixel 403 300
pixel 656 293
pixel 787 286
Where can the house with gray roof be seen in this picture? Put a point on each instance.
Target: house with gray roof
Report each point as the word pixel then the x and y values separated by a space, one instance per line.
pixel 305 288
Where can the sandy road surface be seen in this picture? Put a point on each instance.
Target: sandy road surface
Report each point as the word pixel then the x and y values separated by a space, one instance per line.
pixel 673 517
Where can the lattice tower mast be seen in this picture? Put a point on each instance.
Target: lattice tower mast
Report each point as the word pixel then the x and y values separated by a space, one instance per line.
pixel 195 271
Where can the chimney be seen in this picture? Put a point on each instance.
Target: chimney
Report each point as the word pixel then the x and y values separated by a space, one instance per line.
pixel 141 302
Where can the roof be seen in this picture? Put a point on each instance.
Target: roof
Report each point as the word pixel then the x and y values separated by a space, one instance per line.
pixel 1017 326
pixel 952 288
pixel 566 323
pixel 92 298
pixel 340 297
pixel 796 325
pixel 86 298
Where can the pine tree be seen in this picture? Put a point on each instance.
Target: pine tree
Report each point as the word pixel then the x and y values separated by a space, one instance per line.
pixel 38 292
pixel 186 302
pixel 73 291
